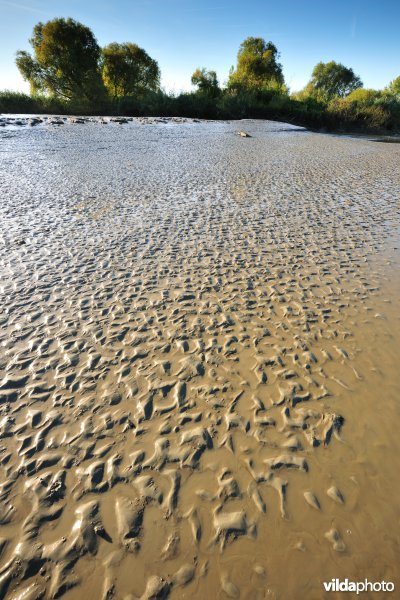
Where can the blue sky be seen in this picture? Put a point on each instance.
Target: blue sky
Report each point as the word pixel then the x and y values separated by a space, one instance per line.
pixel 185 34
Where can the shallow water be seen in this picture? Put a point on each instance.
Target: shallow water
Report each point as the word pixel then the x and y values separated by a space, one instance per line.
pixel 199 345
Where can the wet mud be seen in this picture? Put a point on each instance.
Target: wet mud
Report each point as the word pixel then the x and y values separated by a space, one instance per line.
pixel 199 360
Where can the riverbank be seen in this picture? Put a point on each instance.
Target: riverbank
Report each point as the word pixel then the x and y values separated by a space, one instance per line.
pixel 379 118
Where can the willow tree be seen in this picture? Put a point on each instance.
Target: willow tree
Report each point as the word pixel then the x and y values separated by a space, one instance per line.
pixel 257 66
pixel 394 87
pixel 332 80
pixel 65 60
pixel 206 82
pixel 129 70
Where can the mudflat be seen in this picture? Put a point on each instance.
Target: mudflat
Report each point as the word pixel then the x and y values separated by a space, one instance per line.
pixel 199 392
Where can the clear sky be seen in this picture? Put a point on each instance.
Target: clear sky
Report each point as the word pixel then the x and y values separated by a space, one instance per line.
pixel 185 34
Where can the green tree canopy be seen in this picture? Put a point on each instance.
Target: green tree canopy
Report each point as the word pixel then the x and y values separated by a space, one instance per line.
pixel 364 96
pixel 206 82
pixel 332 79
pixel 394 86
pixel 128 69
pixel 257 66
pixel 64 61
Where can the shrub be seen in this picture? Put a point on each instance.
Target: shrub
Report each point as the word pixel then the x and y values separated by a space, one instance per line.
pixel 17 102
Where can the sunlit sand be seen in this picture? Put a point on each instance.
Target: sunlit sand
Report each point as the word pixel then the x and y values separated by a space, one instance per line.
pixel 199 355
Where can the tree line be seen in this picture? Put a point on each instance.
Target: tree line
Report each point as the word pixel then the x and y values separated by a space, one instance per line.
pixel 68 66
pixel 67 62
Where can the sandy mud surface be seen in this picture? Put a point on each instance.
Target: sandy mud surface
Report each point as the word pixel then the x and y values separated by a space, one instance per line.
pixel 199 389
